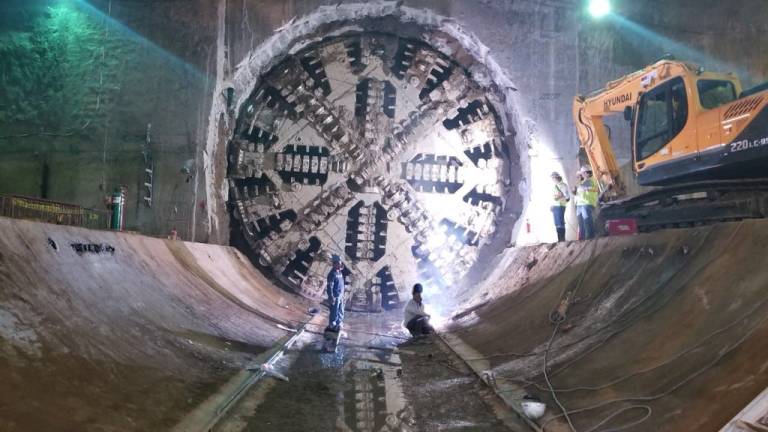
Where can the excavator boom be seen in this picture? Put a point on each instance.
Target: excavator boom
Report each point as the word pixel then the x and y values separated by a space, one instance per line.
pixel 619 96
pixel 695 135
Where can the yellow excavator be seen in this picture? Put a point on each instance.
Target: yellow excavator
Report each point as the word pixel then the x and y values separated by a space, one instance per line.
pixel 695 135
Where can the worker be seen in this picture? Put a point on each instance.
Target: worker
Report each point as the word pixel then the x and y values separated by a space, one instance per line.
pixel 586 201
pixel 335 291
pixel 561 198
pixel 415 319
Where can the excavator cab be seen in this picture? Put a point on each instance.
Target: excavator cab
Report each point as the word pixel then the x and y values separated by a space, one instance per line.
pixel 694 132
pixel 675 121
pixel 662 114
pixel 688 125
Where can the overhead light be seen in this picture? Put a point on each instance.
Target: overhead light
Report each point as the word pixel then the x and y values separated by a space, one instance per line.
pixel 599 8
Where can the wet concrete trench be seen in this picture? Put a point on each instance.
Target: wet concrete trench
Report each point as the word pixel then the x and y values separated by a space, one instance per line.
pixel 378 380
pixel 159 334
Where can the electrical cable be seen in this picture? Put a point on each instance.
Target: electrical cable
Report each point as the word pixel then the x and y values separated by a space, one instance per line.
pixel 650 311
pixel 612 281
pixel 529 293
pixel 677 386
pixel 661 364
pixel 606 325
pixel 649 412
pixel 618 318
pixel 549 384
pixel 648 296
pixel 621 317
pixel 521 299
pixel 558 322
pixel 532 352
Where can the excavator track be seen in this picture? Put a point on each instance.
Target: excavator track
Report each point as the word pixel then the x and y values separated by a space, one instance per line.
pixel 692 204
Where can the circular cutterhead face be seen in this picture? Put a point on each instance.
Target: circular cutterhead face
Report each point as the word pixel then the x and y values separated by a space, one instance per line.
pixel 375 148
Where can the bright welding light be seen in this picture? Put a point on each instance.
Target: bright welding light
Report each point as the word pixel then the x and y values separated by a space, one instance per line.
pixel 436 304
pixel 435 319
pixel 438 322
pixel 599 8
pixel 435 240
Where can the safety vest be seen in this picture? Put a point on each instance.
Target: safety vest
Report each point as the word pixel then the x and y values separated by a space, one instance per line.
pixel 586 193
pixel 562 190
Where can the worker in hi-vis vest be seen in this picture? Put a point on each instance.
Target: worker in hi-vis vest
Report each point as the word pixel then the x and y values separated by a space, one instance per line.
pixel 586 201
pixel 561 197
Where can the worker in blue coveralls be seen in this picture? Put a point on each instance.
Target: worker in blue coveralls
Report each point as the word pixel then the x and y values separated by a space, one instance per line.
pixel 335 291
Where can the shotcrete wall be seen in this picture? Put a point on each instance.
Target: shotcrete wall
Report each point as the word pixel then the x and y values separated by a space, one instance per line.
pixel 79 92
pixel 108 331
pixel 664 332
pixel 81 82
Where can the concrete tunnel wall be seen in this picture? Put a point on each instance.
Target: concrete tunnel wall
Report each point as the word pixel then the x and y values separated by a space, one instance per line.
pixel 670 327
pixel 130 339
pixel 92 295
pixel 135 339
pixel 163 63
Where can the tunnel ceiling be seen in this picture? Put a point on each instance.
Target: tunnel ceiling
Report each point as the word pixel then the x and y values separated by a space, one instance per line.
pixel 376 148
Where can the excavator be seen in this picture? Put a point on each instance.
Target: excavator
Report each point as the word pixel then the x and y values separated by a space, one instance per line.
pixel 698 139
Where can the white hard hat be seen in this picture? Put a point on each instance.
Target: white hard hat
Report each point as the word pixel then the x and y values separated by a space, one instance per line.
pixel 585 169
pixel 533 409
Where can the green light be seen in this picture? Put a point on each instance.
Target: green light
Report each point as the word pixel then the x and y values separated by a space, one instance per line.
pixel 599 8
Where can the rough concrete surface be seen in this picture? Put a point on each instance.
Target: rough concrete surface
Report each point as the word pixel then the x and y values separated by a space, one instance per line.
pixel 160 61
pixel 136 336
pixel 447 395
pixel 129 340
pixel 669 325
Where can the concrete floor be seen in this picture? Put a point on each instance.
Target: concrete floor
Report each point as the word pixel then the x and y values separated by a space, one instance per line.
pixel 141 334
pixel 375 381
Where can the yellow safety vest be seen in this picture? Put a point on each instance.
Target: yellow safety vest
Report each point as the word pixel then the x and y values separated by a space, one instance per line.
pixel 586 193
pixel 561 189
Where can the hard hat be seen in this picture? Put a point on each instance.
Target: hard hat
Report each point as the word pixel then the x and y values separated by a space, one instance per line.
pixel 534 410
pixel 417 289
pixel 556 174
pixel 585 169
pixel 335 259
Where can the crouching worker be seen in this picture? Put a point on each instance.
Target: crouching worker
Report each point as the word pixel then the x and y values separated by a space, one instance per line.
pixel 416 320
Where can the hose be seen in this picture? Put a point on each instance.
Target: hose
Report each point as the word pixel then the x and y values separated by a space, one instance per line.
pixel 676 386
pixel 637 304
pixel 648 413
pixel 559 316
pixel 722 354
pixel 658 365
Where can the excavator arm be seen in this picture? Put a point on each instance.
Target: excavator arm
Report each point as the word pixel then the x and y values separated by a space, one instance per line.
pixel 618 96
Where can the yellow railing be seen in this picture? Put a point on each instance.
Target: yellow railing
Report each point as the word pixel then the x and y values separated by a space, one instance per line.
pixel 53 212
